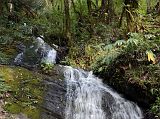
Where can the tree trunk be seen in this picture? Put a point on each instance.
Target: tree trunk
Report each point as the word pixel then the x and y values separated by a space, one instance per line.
pixel 148 6
pixel 1 7
pixel 90 19
pixel 159 8
pixel 103 9
pixel 110 10
pixel 89 5
pixel 67 22
pixel 97 4
pixel 121 18
pixel 131 16
pixel 74 7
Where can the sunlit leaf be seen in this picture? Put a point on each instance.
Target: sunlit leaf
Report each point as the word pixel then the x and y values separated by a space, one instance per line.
pixel 108 47
pixel 120 42
pixel 151 56
pixel 133 41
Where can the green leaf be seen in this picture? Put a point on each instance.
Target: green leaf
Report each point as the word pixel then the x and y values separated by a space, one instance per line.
pixel 151 56
pixel 120 42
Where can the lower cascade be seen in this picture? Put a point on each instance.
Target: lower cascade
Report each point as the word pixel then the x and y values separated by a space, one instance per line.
pixel 85 100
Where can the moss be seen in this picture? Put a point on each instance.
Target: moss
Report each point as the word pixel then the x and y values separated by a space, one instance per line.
pixel 26 91
pixel 7 53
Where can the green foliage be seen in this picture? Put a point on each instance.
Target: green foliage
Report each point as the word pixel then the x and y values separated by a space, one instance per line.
pixel 110 52
pixel 4 88
pixel 142 7
pixel 4 59
pixel 14 31
pixel 156 107
pixel 47 67
pixel 136 43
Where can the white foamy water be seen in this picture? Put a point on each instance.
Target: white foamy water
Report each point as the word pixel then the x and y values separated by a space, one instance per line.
pixel 40 42
pixel 51 56
pixel 84 98
pixel 19 58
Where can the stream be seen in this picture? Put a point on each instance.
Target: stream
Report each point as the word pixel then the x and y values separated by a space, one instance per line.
pixel 86 95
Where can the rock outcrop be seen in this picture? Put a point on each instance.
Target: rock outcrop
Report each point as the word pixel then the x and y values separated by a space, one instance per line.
pixel 54 99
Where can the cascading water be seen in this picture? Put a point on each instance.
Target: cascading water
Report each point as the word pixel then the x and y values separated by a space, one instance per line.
pixel 51 57
pixel 19 58
pixel 84 98
pixel 47 54
pixel 87 96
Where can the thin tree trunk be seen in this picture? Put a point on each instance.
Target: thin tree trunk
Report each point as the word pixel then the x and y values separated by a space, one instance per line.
pixel 89 4
pixel 159 8
pixel 81 7
pixel 103 9
pixel 67 22
pixel 1 7
pixel 74 6
pixel 148 6
pixel 110 10
pixel 97 4
pixel 131 15
pixel 121 18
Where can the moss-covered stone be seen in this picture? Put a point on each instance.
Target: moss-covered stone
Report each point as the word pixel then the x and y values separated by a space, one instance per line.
pixel 26 91
pixel 6 55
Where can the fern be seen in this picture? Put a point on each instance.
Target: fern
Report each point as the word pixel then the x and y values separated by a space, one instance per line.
pixel 110 52
pixel 120 43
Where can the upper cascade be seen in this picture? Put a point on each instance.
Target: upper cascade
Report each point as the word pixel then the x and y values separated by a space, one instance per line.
pixel 39 49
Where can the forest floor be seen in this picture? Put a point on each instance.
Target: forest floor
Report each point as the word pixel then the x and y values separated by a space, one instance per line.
pixel 5 115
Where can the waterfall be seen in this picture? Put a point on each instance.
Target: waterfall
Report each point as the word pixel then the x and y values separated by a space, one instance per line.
pixel 85 94
pixel 51 56
pixel 45 52
pixel 19 58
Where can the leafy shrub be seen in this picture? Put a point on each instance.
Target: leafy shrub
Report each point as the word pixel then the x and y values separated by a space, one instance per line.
pixel 156 107
pixel 136 43
pixel 47 67
pixel 4 59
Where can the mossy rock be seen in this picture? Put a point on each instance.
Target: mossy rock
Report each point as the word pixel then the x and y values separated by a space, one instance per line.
pixel 7 55
pixel 26 89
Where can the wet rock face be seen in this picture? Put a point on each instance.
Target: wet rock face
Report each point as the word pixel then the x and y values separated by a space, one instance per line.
pixel 107 100
pixel 54 98
pixel 39 51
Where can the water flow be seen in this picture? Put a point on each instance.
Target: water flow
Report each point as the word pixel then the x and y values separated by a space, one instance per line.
pixel 47 54
pixel 51 56
pixel 19 58
pixel 85 94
